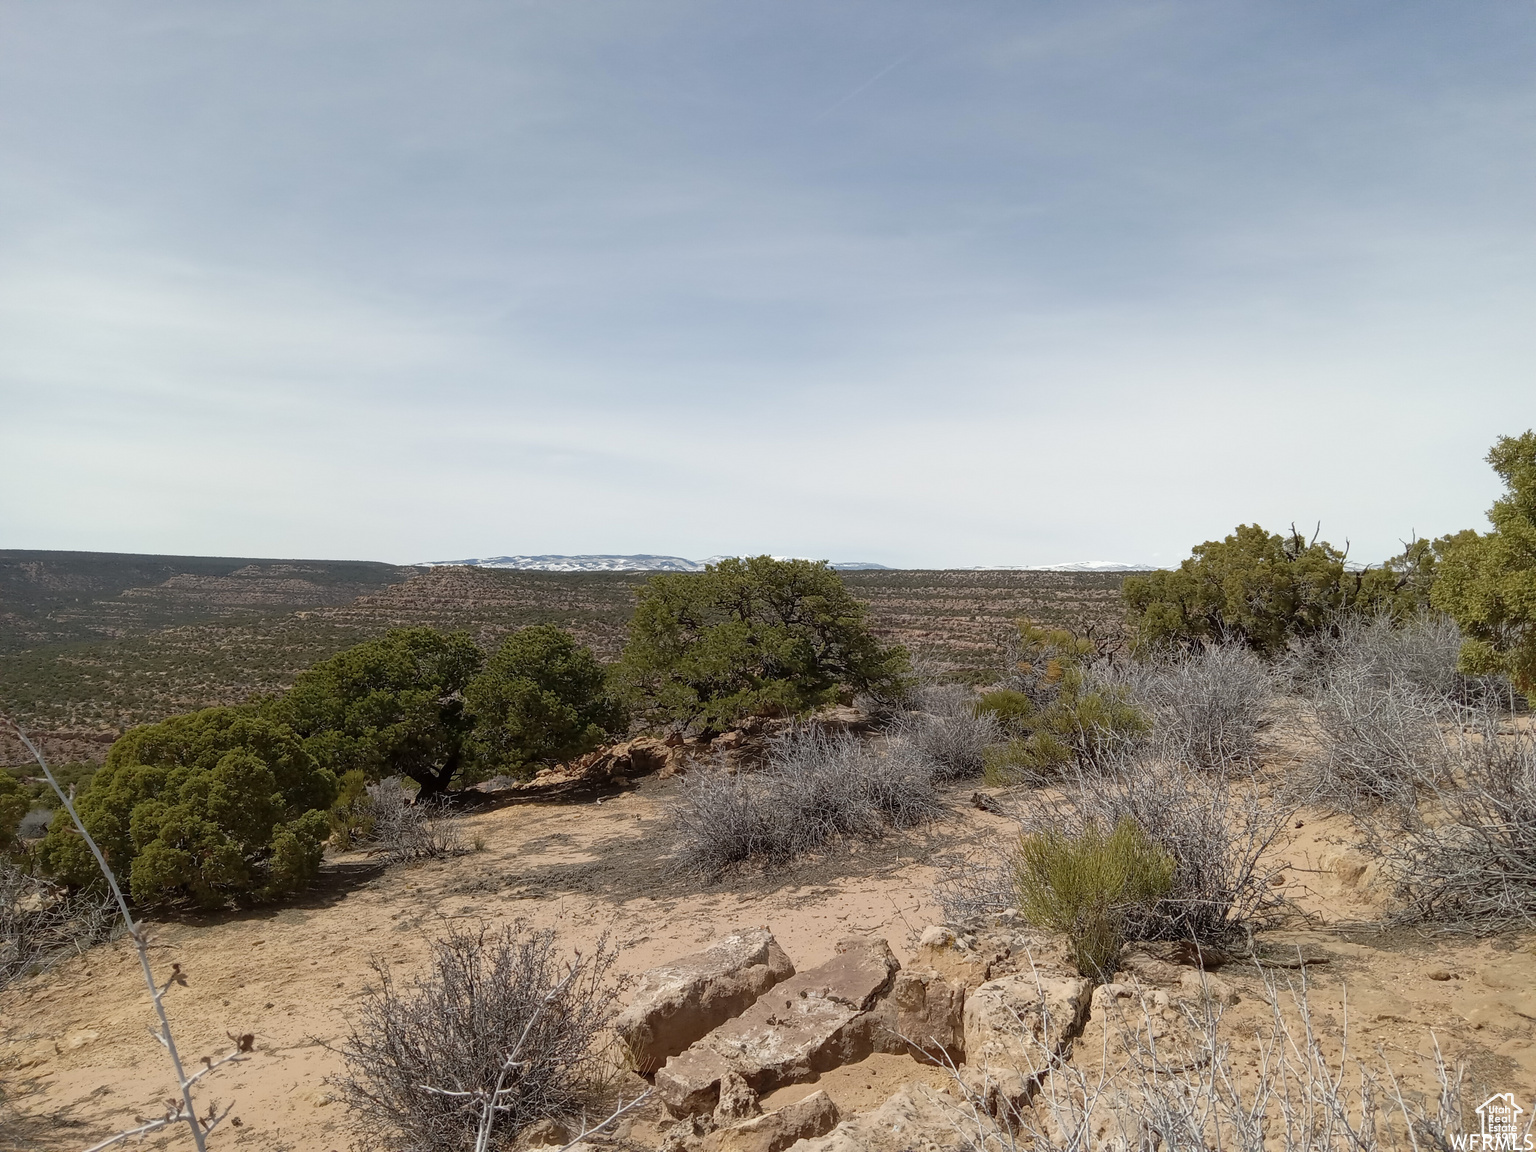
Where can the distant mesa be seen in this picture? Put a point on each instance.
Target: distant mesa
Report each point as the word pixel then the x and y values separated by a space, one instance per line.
pixel 1091 566
pixel 605 563
pixel 648 563
pixel 579 563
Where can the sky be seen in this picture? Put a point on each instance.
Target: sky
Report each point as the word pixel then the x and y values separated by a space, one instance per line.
pixel 922 284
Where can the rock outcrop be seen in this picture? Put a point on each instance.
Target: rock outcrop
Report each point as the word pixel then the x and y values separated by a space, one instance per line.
pixel 775 1131
pixel 923 1016
pixel 811 1022
pixel 685 1000
pixel 916 1118
pixel 1015 1027
pixel 621 763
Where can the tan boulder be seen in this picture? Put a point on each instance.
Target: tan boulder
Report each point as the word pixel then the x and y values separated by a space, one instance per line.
pixel 961 957
pixel 1015 1028
pixel 1202 986
pixel 915 1118
pixel 1131 1026
pixel 678 1003
pixel 811 1022
pixel 923 1016
pixel 775 1131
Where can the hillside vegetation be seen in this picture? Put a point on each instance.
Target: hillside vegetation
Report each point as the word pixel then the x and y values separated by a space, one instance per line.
pixel 85 654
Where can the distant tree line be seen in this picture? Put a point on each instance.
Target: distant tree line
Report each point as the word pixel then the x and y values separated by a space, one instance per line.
pixel 1266 590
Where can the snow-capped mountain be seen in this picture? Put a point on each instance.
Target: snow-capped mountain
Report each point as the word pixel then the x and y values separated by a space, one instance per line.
pixel 610 563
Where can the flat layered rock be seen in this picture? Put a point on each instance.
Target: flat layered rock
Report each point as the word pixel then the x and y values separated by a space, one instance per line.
pixel 685 1000
pixel 809 1023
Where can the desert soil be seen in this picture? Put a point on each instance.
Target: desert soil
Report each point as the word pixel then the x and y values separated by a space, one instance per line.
pixel 77 1061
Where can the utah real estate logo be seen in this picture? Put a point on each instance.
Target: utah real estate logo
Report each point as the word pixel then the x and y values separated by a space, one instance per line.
pixel 1500 1118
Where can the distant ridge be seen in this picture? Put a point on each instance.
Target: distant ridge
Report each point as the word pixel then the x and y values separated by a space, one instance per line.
pixel 1074 566
pixel 605 563
pixel 1091 566
pixel 578 563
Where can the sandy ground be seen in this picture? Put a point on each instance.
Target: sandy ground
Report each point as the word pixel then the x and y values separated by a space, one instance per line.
pixel 77 1062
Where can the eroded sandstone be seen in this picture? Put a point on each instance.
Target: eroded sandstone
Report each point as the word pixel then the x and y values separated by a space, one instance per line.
pixel 681 1002
pixel 809 1023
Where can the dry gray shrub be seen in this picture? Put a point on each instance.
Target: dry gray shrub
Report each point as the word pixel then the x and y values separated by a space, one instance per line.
pixel 1419 653
pixel 1465 858
pixel 1296 1098
pixel 501 1031
pixel 40 920
pixel 1378 738
pixel 817 786
pixel 405 829
pixel 1217 830
pixel 1206 706
pixel 945 730
pixel 1381 695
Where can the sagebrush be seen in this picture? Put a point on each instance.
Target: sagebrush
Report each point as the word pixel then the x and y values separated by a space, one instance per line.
pixel 817 786
pixel 40 920
pixel 503 1020
pixel 1206 704
pixel 945 727
pixel 1216 830
pixel 404 827
pixel 1465 857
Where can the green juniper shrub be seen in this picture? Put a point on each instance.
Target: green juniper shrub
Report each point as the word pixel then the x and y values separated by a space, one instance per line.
pixel 1086 886
pixel 1052 712
pixel 201 808
pixel 387 707
pixel 1264 590
pixel 75 774
pixel 749 637
pixel 1487 581
pixel 542 698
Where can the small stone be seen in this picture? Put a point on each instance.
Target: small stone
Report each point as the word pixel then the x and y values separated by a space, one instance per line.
pixel 775 1131
pixel 737 1101
pixel 545 1132
pixel 937 936
pixel 1440 974
pixel 1198 985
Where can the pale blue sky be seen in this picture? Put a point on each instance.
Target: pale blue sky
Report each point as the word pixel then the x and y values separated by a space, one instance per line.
pixel 923 284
